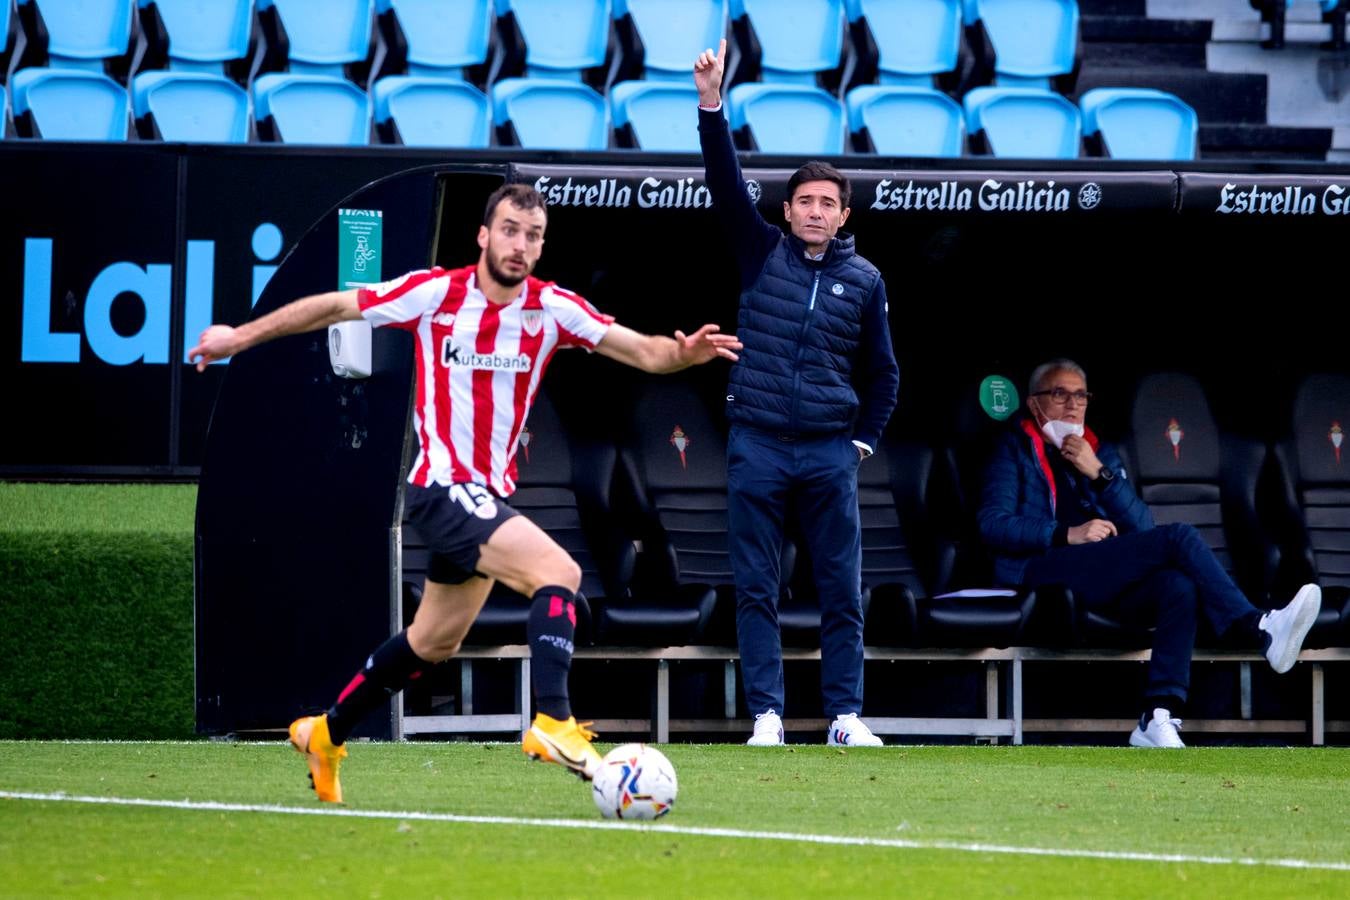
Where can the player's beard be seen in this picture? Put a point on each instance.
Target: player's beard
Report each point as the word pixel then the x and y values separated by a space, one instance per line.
pixel 503 278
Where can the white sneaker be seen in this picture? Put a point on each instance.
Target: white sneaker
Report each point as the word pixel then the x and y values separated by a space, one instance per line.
pixel 850 731
pixel 768 730
pixel 1289 626
pixel 1160 732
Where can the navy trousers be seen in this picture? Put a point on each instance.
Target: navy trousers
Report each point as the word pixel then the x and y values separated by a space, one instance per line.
pixel 819 476
pixel 1163 577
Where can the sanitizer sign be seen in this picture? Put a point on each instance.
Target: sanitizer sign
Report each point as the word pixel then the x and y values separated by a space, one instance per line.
pixel 359 247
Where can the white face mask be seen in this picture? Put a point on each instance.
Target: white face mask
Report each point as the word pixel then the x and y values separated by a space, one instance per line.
pixel 1056 430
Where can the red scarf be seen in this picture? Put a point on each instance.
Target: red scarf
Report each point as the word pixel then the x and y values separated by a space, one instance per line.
pixel 1038 444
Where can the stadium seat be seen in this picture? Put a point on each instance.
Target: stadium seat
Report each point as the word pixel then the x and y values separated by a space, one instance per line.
pixel 436 38
pixel 1138 123
pixel 555 38
pixel 1314 491
pixel 1027 43
pixel 905 42
pixel 319 37
pixel 194 107
pixel 786 118
pixel 1189 472
pixel 432 112
pixel 199 37
pixel 69 105
pixel 544 114
pixel 905 121
pixel 661 38
pixel 789 41
pixel 1023 123
pixel 656 115
pixel 10 34
pixel 81 35
pixel 676 464
pixel 311 109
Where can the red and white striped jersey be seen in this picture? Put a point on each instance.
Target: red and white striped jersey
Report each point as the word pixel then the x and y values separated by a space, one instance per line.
pixel 479 365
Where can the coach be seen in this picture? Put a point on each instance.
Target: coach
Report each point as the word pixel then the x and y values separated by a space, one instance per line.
pixel 808 400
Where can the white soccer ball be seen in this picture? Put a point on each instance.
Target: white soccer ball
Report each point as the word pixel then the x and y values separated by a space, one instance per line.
pixel 634 782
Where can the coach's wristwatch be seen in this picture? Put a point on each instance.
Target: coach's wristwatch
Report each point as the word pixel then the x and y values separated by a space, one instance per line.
pixel 1103 479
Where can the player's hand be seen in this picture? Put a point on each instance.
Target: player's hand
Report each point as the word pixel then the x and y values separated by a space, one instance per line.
pixel 708 343
pixel 1081 455
pixel 216 342
pixel 708 75
pixel 1091 532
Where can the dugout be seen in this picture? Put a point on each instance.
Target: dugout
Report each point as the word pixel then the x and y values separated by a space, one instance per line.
pixel 1227 275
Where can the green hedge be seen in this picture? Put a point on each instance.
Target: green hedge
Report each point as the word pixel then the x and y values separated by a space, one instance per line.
pixel 96 611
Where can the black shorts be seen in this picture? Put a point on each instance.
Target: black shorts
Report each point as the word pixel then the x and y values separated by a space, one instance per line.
pixel 455 521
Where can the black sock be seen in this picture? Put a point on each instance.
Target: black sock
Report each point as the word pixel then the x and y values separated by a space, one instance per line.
pixel 387 671
pixel 553 619
pixel 1172 704
pixel 1247 629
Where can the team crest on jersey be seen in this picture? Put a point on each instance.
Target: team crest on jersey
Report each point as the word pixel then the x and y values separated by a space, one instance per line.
pixel 531 320
pixel 443 318
pixel 1336 436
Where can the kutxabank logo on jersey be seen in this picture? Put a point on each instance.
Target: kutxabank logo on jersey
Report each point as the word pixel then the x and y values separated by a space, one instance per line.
pixel 453 354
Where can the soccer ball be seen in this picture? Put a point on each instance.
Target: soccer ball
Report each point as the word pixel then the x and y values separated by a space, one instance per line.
pixel 634 782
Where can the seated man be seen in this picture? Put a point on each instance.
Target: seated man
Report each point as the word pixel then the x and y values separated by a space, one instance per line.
pixel 1056 510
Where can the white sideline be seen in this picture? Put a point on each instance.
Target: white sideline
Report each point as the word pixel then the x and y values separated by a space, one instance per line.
pixel 662 828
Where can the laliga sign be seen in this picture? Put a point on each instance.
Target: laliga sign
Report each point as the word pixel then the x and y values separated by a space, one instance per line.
pixel 152 284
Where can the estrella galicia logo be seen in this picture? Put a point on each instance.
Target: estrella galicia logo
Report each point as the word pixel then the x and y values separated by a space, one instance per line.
pixel 753 190
pixel 1089 195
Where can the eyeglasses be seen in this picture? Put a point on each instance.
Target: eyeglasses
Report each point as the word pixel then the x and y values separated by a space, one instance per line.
pixel 1060 397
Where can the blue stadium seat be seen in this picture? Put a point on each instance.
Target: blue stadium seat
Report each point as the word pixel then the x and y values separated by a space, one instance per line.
pixel 661 115
pixel 671 33
pixel 323 36
pixel 8 36
pixel 547 114
pixel 798 39
pixel 202 37
pixel 443 37
pixel 1139 123
pixel 562 37
pixel 787 118
pixel 906 121
pixel 312 109
pixel 195 107
pixel 69 105
pixel 433 112
pixel 1032 41
pixel 1024 123
pixel 915 40
pixel 83 35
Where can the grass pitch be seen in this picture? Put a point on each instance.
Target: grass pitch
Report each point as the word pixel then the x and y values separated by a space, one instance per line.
pixel 802 821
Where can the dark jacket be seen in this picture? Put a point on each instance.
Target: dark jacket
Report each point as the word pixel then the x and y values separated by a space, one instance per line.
pixel 817 357
pixel 1017 504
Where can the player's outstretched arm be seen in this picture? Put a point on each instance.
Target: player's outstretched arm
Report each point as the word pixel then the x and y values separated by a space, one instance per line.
pixel 306 314
pixel 660 355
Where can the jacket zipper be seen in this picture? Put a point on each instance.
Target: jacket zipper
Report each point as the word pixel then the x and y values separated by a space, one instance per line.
pixel 801 349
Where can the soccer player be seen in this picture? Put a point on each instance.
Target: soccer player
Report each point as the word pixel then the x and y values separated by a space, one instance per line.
pixel 484 336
